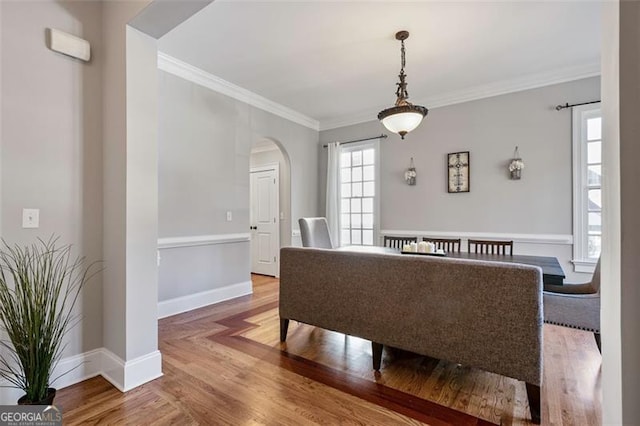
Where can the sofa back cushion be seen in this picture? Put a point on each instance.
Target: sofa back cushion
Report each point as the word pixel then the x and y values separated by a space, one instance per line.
pixel 482 314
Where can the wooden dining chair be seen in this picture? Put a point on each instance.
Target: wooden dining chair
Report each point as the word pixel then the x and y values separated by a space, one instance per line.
pixel 449 245
pixel 398 242
pixel 490 247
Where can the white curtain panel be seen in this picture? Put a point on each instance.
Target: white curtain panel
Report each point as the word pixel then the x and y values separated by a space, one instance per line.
pixel 333 191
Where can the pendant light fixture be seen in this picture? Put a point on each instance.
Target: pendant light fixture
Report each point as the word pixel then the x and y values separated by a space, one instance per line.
pixel 403 117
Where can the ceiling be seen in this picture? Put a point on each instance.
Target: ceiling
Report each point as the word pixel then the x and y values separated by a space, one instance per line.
pixel 337 62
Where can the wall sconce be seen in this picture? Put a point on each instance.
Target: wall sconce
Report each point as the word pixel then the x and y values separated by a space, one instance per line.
pixel 516 165
pixel 410 174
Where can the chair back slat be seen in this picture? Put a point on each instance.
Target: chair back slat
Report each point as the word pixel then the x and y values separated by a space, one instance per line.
pixel 398 242
pixel 447 244
pixel 490 247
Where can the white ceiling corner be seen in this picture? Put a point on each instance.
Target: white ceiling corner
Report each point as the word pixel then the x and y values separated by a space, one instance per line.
pixel 479 92
pixel 317 64
pixel 195 75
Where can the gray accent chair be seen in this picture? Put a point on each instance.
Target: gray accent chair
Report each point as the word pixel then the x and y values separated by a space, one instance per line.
pixel 315 232
pixel 575 305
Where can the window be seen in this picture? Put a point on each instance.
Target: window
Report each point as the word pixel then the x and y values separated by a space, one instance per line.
pixel 358 194
pixel 587 187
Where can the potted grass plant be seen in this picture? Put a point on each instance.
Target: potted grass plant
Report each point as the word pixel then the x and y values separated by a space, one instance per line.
pixel 40 285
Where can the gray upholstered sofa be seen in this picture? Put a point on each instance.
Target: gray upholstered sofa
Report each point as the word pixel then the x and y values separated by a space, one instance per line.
pixel 482 314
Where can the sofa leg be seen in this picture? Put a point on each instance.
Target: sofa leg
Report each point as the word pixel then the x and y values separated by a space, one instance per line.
pixel 533 394
pixel 284 326
pixel 376 348
pixel 598 342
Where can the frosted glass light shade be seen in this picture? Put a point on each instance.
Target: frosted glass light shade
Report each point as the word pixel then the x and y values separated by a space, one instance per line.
pixel 403 118
pixel 403 122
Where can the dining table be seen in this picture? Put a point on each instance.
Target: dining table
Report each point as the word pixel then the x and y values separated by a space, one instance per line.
pixel 552 273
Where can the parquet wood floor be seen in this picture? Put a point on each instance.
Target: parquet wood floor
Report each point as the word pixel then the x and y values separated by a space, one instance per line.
pixel 223 364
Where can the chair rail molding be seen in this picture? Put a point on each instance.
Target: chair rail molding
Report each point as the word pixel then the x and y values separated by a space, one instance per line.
pixel 202 240
pixel 560 239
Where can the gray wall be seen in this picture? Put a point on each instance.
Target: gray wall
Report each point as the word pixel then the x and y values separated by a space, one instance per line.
pixel 276 156
pixel 204 150
pixel 539 203
pixel 51 140
pixel 621 222
pixel 630 206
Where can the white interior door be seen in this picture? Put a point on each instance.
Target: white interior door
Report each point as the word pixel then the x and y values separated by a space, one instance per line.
pixel 264 223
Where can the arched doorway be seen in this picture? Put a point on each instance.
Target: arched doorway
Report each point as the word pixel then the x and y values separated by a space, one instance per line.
pixel 269 205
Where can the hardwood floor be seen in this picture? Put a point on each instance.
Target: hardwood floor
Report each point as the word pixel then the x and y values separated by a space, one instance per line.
pixel 223 364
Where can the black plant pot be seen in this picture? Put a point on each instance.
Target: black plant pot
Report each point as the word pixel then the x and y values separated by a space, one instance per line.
pixel 48 400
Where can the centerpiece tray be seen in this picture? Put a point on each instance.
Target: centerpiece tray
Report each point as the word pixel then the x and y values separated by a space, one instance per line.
pixel 424 254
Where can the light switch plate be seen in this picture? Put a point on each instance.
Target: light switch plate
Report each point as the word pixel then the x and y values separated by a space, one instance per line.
pixel 30 218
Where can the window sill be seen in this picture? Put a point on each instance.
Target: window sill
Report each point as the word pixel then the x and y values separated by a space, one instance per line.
pixel 585 266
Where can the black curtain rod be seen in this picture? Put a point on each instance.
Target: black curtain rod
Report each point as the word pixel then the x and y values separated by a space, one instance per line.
pixel 561 107
pixel 382 136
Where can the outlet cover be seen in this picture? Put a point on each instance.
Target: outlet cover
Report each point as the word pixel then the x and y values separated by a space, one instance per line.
pixel 30 218
pixel 229 216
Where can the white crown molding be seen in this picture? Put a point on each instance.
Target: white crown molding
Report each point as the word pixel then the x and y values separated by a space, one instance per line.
pixel 527 82
pixel 561 239
pixel 167 308
pixel 202 240
pixel 198 76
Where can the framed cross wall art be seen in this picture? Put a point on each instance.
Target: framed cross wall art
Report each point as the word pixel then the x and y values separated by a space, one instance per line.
pixel 458 172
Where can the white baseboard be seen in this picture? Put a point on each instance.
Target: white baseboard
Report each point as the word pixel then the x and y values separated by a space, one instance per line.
pixel 9 396
pixel 142 370
pixel 131 374
pixel 98 362
pixel 69 371
pixel 113 369
pixel 170 307
pixel 77 368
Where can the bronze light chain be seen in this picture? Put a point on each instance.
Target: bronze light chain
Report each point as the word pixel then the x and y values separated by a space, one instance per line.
pixel 401 93
pixel 402 105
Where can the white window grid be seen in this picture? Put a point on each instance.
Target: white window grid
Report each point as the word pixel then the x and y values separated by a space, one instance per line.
pixel 358 194
pixel 587 186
